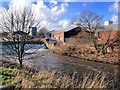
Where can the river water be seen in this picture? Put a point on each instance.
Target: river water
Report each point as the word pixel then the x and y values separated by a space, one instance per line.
pixel 45 59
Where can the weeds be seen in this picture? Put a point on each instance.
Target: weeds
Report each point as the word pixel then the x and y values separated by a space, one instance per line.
pixel 49 79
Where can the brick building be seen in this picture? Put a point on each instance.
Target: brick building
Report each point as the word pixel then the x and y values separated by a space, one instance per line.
pixel 58 36
pixel 105 35
pixel 109 32
pixel 66 33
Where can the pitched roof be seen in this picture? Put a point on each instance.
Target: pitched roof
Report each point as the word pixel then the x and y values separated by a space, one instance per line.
pixel 65 29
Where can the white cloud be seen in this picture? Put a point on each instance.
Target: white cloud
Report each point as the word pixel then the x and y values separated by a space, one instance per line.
pixel 19 4
pixel 62 8
pixel 53 2
pixel 70 0
pixel 64 23
pixel 87 0
pixel 114 18
pixel 54 9
pixel 115 10
pixel 50 15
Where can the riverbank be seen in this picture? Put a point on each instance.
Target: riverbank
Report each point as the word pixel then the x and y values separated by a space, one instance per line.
pixel 55 71
pixel 86 52
pixel 51 79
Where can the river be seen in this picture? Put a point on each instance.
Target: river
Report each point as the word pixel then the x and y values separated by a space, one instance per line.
pixel 45 59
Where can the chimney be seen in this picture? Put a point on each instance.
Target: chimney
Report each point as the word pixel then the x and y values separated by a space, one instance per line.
pixel 108 22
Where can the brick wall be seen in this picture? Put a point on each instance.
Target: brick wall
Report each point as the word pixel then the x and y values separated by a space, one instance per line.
pixel 105 35
pixel 58 36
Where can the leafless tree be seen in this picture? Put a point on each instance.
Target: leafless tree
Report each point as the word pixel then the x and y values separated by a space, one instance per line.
pixel 110 39
pixel 43 31
pixel 15 25
pixel 90 21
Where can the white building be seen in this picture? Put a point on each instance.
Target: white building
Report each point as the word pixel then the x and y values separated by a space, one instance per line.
pixel 108 22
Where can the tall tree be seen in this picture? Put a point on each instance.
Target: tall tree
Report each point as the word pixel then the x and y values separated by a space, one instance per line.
pixel 16 24
pixel 90 21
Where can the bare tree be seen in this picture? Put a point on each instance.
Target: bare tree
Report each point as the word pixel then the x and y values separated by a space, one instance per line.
pixel 15 25
pixel 109 40
pixel 90 21
pixel 43 31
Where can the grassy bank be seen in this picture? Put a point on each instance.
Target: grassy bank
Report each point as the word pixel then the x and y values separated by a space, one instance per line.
pixel 86 51
pixel 51 79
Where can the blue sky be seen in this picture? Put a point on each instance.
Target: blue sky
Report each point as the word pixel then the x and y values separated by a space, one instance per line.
pixel 75 8
pixel 101 8
pixel 65 11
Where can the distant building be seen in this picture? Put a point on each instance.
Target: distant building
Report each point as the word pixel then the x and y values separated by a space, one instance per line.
pixel 109 31
pixel 108 22
pixel 33 31
pixel 58 36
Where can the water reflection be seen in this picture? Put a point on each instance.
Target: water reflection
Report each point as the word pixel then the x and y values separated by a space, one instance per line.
pixel 45 59
pixel 68 65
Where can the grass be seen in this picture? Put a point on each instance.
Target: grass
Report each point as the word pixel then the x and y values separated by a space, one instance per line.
pixel 100 80
pixel 51 79
pixel 7 76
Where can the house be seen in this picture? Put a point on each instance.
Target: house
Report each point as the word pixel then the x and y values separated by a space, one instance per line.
pixel 109 34
pixel 62 35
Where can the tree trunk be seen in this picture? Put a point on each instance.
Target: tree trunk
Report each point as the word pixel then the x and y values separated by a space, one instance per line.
pixel 94 40
pixel 21 63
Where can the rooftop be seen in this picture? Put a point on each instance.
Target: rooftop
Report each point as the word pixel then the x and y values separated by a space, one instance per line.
pixel 64 30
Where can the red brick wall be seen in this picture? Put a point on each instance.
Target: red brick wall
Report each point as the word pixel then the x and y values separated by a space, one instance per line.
pixel 58 36
pixel 105 35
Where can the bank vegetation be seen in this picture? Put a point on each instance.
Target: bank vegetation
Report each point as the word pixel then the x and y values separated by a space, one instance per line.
pixel 52 79
pixel 86 51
